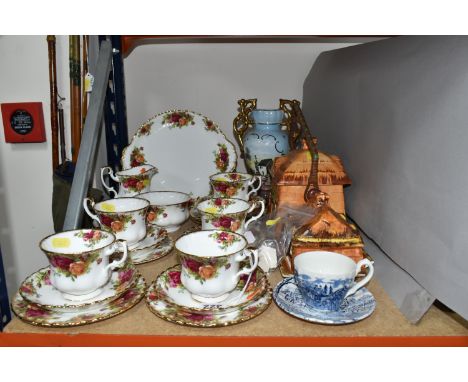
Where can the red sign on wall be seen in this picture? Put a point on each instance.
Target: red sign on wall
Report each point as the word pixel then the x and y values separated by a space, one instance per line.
pixel 23 122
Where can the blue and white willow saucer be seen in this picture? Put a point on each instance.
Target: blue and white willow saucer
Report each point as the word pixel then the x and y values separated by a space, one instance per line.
pixel 355 308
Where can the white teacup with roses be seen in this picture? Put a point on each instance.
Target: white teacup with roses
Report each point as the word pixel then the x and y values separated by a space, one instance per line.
pixel 132 181
pixel 228 214
pixel 210 262
pixel 234 185
pixel 124 217
pixel 168 209
pixel 79 261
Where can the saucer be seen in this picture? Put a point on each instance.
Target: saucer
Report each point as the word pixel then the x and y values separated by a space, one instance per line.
pixel 153 253
pixel 154 235
pixel 168 287
pixel 38 290
pixel 354 308
pixel 177 315
pixel 35 315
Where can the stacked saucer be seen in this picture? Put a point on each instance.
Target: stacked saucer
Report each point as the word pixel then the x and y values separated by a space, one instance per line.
pixel 39 303
pixel 353 309
pixel 155 245
pixel 168 299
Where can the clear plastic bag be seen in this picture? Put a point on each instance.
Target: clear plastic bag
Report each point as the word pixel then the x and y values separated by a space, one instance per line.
pixel 272 234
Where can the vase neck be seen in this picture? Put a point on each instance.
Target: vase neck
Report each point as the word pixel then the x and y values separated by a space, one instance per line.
pixel 267 127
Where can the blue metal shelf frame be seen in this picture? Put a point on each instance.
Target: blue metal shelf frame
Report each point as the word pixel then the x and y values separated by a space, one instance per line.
pixel 5 314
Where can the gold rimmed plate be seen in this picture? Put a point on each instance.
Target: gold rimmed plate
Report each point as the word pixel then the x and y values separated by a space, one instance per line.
pixel 157 252
pixel 179 316
pixel 36 315
pixel 168 287
pixel 185 146
pixel 38 290
pixel 205 316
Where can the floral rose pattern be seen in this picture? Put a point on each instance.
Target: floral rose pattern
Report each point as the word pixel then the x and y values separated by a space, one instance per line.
pixel 37 315
pixel 73 267
pixel 92 237
pixel 154 212
pixel 125 278
pixel 203 270
pixel 157 294
pixel 116 222
pixel 145 129
pixel 35 311
pixel 135 183
pixel 225 222
pixel 234 176
pixel 178 119
pixel 137 157
pixel 227 189
pixel 174 279
pixel 29 287
pixel 220 204
pixel 209 125
pixel 221 157
pixel 225 239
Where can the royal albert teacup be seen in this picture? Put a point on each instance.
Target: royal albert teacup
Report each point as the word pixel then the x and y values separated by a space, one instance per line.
pixel 228 214
pixel 79 261
pixel 124 217
pixel 132 181
pixel 325 279
pixel 168 209
pixel 234 185
pixel 210 262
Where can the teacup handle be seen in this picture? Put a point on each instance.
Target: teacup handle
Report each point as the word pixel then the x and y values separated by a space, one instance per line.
pixel 252 181
pixel 90 214
pixel 113 177
pixel 253 263
pixel 367 263
pixel 254 205
pixel 247 271
pixel 119 263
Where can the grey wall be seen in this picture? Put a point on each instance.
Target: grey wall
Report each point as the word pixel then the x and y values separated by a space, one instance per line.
pixel 395 111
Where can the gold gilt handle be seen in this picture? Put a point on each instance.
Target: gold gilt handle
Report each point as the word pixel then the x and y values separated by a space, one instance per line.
pixel 292 119
pixel 242 121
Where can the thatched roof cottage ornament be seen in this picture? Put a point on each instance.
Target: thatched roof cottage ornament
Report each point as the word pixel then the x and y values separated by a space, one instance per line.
pixel 327 230
pixel 290 173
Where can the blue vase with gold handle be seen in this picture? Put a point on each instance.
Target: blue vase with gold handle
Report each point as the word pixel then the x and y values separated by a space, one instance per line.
pixel 265 139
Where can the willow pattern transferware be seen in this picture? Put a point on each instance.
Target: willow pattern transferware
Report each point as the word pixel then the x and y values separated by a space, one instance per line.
pixel 79 261
pixel 353 309
pixel 168 287
pixel 124 217
pixel 35 315
pixel 168 209
pixel 211 263
pixel 186 147
pixel 228 214
pixel 132 181
pixel 234 185
pixel 325 279
pixel 178 315
pixel 160 250
pixel 37 289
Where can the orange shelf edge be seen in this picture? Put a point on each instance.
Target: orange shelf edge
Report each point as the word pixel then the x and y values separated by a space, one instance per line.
pixel 80 340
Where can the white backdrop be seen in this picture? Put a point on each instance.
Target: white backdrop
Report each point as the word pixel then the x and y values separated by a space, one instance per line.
pixel 209 78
